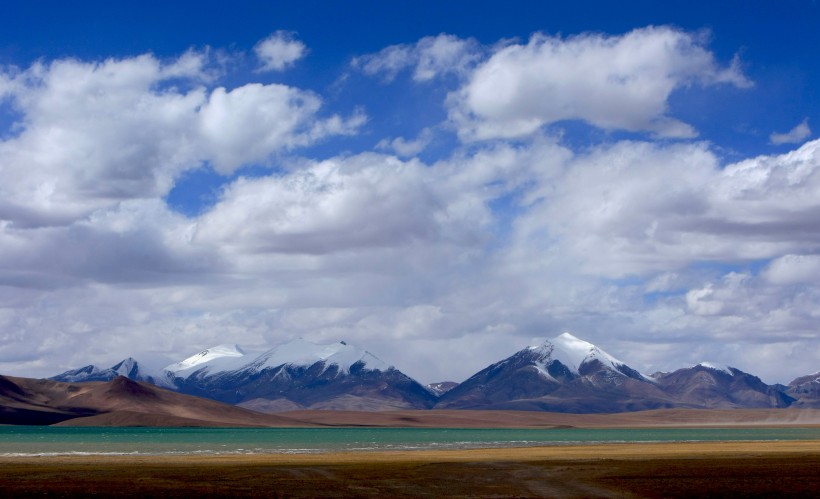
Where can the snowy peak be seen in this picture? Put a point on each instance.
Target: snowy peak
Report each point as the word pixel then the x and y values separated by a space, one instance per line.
pixel 298 374
pixel 300 352
pixel 205 357
pixel 564 374
pixel 573 353
pixel 128 368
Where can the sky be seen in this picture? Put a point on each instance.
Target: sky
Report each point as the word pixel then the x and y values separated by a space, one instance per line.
pixel 439 183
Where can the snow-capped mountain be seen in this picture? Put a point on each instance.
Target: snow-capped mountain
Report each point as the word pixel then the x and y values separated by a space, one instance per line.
pixel 579 357
pixel 228 358
pixel 564 374
pixel 567 374
pixel 129 368
pixel 297 375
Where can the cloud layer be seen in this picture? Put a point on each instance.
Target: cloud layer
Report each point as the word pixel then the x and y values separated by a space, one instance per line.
pixel 661 251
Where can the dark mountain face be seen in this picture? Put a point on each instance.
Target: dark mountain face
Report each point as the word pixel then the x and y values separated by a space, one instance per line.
pixel 530 380
pixel 441 387
pixel 708 387
pixel 566 374
pixel 316 386
pixel 128 368
pixel 806 391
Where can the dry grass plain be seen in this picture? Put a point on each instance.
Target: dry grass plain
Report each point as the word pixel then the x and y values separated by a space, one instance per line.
pixel 715 469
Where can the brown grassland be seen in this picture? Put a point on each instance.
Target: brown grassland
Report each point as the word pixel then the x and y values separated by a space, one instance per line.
pixel 716 469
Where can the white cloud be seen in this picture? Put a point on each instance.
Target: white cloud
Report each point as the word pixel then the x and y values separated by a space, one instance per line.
pixel 612 82
pixel 79 149
pixel 279 51
pixel 407 148
pixel 794 136
pixel 247 124
pixel 793 269
pixel 92 134
pixel 388 62
pixel 660 208
pixel 363 202
pixel 430 57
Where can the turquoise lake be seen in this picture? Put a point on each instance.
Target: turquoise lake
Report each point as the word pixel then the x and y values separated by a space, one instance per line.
pixel 45 440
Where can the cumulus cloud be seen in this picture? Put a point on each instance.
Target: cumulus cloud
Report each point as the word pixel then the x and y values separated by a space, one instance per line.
pixel 430 57
pixel 95 133
pixel 757 308
pixel 247 124
pixel 279 51
pixel 660 207
pixel 611 82
pixel 794 136
pixel 366 201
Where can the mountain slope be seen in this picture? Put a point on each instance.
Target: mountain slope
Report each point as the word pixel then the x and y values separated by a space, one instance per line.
pixel 709 386
pixel 295 375
pixel 564 374
pixel 806 391
pixel 128 368
pixel 441 387
pixel 299 375
pixel 120 401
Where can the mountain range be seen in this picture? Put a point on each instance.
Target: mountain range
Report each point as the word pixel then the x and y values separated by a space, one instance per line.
pixel 563 374
pixel 293 376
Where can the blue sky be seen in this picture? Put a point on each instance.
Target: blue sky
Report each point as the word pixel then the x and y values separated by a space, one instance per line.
pixel 440 183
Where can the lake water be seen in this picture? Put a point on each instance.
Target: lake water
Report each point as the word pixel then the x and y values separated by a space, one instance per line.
pixel 45 440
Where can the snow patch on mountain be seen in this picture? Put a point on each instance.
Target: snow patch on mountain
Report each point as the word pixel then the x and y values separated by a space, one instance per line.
pixel 127 367
pixel 573 352
pixel 299 352
pixel 717 367
pixel 206 357
pixel 304 353
pixel 541 367
pixel 79 375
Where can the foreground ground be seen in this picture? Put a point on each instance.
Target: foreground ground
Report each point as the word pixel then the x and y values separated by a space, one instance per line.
pixel 715 469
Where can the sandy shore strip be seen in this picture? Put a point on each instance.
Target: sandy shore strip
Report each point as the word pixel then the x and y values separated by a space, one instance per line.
pixel 523 454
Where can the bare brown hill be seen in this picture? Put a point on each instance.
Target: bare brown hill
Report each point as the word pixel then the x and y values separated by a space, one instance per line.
pixel 120 402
